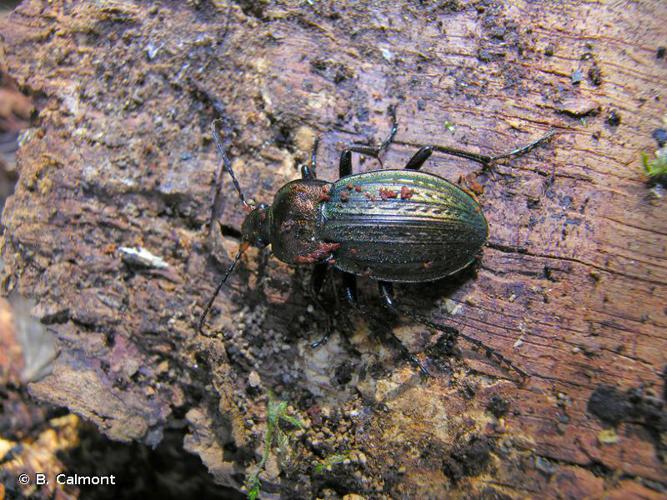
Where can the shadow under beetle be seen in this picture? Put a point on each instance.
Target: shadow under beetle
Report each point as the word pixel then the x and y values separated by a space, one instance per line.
pixel 393 226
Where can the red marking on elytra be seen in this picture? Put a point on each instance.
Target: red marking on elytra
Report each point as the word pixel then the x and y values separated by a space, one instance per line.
pixel 322 251
pixel 406 193
pixel 386 194
pixel 470 185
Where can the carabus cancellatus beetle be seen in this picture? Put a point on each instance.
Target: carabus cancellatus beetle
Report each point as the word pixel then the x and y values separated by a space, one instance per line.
pixel 393 226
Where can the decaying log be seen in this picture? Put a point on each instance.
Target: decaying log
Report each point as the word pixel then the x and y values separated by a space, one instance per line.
pixel 571 287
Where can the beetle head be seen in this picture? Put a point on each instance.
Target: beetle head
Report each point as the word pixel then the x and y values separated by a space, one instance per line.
pixel 256 226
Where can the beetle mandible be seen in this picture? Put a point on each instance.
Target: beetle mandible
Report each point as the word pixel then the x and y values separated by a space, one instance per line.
pixel 393 226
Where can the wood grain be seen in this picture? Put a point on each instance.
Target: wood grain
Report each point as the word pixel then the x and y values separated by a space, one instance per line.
pixel 571 287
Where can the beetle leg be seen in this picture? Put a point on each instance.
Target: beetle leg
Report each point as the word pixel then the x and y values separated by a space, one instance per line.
pixel 310 172
pixel 525 149
pixel 419 158
pixel 307 172
pixel 350 284
pixel 375 151
pixel 345 165
pixel 318 277
pixel 372 151
pixel 316 281
pixel 386 290
pixel 487 160
pixel 350 288
pixel 313 155
pixel 392 132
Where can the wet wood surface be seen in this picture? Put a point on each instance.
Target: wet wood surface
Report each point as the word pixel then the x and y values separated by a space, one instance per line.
pixel 571 285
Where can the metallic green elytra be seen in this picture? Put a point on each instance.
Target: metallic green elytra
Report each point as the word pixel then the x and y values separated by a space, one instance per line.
pixel 401 225
pixel 391 225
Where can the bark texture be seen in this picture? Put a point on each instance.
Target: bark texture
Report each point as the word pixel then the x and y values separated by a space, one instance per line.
pixel 571 287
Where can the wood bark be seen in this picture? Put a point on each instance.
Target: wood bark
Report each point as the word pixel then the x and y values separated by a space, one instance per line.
pixel 571 286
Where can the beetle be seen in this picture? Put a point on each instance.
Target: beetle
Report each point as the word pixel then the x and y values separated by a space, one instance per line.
pixel 390 225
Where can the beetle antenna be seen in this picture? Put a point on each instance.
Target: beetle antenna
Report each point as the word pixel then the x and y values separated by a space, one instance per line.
pixel 226 162
pixel 242 248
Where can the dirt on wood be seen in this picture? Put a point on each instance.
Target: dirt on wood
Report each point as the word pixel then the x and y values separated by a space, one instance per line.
pixel 109 232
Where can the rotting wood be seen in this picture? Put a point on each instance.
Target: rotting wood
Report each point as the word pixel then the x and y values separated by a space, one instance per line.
pixel 571 286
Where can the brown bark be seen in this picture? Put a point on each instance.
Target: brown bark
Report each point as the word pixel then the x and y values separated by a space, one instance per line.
pixel 571 286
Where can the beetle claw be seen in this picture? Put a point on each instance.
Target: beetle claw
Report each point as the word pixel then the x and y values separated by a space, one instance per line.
pixel 422 367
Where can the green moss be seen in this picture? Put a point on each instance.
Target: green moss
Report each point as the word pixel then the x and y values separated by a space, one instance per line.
pixel 331 460
pixel 656 168
pixel 275 435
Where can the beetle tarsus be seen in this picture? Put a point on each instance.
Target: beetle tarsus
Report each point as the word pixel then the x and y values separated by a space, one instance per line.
pixel 320 342
pixel 387 292
pixel 524 149
pixel 487 160
pixel 310 171
pixel 313 157
pixel 422 367
pixel 372 151
pixel 350 288
pixel 394 129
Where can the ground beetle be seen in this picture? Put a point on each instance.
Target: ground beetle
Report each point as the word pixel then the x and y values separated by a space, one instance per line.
pixel 393 226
